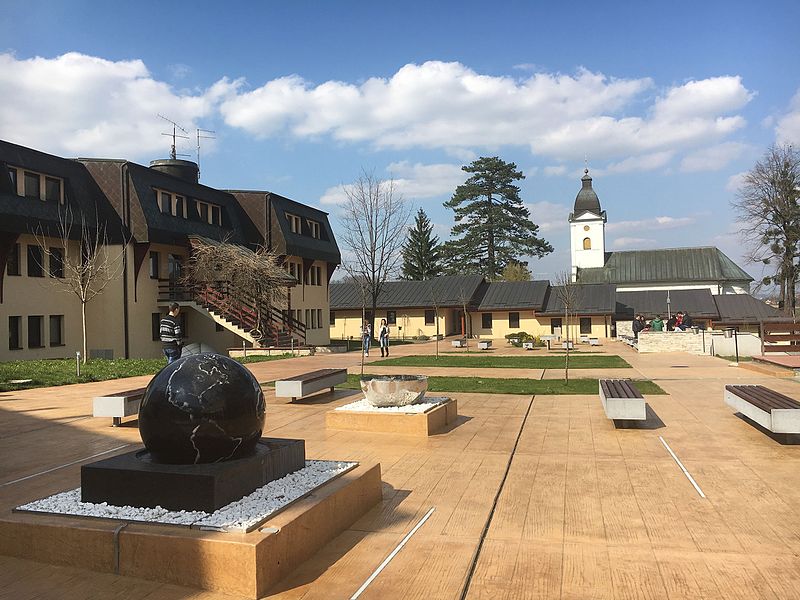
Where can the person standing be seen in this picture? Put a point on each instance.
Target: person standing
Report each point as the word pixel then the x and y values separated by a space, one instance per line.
pixel 638 325
pixel 366 337
pixel 170 333
pixel 383 337
pixel 657 324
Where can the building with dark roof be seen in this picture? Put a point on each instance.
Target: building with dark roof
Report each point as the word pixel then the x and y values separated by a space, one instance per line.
pixel 632 270
pixel 162 211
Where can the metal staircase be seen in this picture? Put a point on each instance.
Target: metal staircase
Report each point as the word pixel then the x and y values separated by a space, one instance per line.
pixel 263 326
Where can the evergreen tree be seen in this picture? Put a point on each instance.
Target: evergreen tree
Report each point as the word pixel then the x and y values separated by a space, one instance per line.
pixel 421 252
pixel 494 225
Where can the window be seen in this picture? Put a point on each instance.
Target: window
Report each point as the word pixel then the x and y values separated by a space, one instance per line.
pixel 35 331
pixel 35 262
pixel 56 266
pixel 319 275
pixel 513 320
pixel 430 317
pixel 586 324
pixel 313 319
pixel 486 320
pixel 216 215
pixel 319 318
pixel 296 271
pixel 166 203
pixel 308 319
pixel 180 207
pixel 313 228
pixel 333 317
pixel 294 223
pixel 52 189
pixel 32 187
pixel 12 173
pixel 155 326
pixel 555 324
pixel 587 244
pixel 202 210
pixel 391 317
pixel 12 264
pixel 56 330
pixel 155 261
pixel 14 341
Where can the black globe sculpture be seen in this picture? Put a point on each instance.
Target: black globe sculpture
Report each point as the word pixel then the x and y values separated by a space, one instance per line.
pixel 202 408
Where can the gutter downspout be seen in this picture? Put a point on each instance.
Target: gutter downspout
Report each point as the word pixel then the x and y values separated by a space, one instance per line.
pixel 126 210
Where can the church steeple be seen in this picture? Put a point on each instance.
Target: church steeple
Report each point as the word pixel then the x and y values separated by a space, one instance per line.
pixel 587 225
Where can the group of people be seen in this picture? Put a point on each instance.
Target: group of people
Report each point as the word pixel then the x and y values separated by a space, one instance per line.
pixel 681 321
pixel 383 337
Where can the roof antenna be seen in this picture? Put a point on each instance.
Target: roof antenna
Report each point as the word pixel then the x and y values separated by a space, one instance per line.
pixel 203 137
pixel 586 163
pixel 173 154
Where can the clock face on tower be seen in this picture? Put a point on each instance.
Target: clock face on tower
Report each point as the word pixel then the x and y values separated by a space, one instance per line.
pixel 586 228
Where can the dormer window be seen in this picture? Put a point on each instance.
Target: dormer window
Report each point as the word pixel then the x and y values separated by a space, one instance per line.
pixel 209 213
pixel 295 224
pixel 36 186
pixel 170 203
pixel 313 227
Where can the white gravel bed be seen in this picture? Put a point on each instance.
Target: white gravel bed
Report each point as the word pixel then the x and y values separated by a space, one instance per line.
pixel 243 515
pixel 421 407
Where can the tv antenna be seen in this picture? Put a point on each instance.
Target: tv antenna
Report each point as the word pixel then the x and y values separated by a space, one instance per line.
pixel 209 135
pixel 175 135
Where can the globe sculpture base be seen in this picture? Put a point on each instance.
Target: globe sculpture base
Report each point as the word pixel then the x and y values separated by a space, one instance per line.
pixel 134 479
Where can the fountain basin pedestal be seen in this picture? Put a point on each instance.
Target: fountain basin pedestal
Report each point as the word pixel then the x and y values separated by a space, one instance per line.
pixel 393 419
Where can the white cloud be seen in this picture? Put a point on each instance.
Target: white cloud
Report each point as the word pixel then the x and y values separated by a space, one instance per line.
pixel 633 242
pixel 554 170
pixel 414 181
pixel 82 105
pixel 645 162
pixel 662 222
pixel 735 182
pixel 713 158
pixel 549 216
pixel 787 131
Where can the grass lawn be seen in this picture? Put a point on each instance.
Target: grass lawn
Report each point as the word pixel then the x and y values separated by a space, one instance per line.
pixel 46 373
pixel 355 344
pixel 487 385
pixel 733 358
pixel 598 361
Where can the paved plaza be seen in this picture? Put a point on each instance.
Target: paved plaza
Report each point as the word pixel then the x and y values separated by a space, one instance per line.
pixel 534 497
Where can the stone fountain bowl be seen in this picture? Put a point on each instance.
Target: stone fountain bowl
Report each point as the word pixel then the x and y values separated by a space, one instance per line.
pixel 394 390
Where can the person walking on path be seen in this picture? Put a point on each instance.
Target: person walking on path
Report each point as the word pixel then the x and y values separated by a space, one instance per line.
pixel 383 337
pixel 170 333
pixel 366 337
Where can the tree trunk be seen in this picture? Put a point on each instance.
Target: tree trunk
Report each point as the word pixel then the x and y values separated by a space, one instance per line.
pixel 83 329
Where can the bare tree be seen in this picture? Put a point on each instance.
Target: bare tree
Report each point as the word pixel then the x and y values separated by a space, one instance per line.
pixel 242 277
pixel 463 299
pixel 569 294
pixel 83 260
pixel 435 302
pixel 361 283
pixel 768 210
pixel 374 218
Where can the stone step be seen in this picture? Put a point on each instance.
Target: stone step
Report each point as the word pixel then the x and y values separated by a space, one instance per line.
pixel 767 369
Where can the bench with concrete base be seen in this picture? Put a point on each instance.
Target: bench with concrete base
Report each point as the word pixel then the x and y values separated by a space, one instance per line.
pixel 770 409
pixel 119 405
pixel 303 385
pixel 621 400
pixel 485 344
pixel 459 343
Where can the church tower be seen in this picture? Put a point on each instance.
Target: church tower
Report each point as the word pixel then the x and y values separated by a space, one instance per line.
pixel 587 224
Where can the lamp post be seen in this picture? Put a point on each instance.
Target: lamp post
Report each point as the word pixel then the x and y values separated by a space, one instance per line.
pixel 732 332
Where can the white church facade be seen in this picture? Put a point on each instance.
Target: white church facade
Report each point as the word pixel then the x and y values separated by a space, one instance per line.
pixel 644 270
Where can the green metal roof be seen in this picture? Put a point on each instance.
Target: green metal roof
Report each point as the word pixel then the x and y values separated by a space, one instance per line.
pixel 670 265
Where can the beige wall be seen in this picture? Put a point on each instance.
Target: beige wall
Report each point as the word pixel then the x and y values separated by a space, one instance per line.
pixel 409 323
pixel 307 297
pixel 530 323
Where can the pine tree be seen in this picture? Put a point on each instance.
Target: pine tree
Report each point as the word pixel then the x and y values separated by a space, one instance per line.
pixel 421 251
pixel 494 225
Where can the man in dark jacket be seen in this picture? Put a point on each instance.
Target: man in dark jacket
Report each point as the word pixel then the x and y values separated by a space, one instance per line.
pixel 170 333
pixel 687 323
pixel 638 325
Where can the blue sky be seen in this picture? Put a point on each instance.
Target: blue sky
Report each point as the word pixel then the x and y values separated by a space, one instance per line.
pixel 669 102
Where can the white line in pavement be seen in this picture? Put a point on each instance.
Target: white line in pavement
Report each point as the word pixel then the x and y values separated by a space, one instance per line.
pixel 680 464
pixel 74 462
pixel 380 568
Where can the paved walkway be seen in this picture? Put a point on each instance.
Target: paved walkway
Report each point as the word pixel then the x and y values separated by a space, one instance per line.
pixel 560 503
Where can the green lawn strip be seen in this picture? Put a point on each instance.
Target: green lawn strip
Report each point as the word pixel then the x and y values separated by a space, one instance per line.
pixel 599 361
pixel 733 358
pixel 487 385
pixel 46 373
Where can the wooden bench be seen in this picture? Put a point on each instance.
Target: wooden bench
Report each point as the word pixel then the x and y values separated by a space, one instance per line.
pixel 527 345
pixel 593 341
pixel 485 344
pixel 621 400
pixel 300 386
pixel 119 405
pixel 459 343
pixel 771 410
